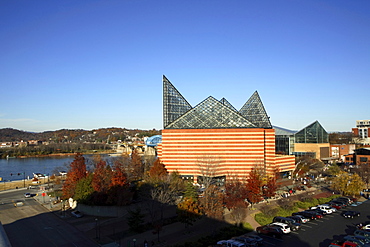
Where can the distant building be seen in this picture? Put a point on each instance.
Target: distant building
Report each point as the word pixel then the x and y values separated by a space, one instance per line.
pixel 339 151
pixel 284 140
pixel 360 156
pixel 215 140
pixel 312 140
pixel 361 132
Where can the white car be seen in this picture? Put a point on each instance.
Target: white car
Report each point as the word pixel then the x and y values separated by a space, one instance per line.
pixel 326 209
pixel 365 227
pixel 284 227
pixel 330 207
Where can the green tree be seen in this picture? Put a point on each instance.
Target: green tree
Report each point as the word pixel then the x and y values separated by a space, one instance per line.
pixel 190 191
pixel 135 219
pixel 84 189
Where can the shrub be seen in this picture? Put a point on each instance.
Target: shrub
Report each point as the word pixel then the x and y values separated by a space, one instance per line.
pixel 269 210
pixel 263 219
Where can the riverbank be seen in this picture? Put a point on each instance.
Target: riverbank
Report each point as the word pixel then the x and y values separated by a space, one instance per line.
pixel 60 154
pixel 6 185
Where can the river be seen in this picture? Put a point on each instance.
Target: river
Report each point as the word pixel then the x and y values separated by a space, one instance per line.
pixel 19 168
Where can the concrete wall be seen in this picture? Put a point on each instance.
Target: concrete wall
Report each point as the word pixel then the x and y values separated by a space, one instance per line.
pixel 104 211
pixel 312 147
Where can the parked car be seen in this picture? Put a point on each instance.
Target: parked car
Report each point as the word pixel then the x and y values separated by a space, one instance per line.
pixel 77 214
pixel 335 205
pixel 284 227
pixel 270 231
pixel 341 243
pixel 258 239
pixel 343 204
pixel 362 233
pixel 365 227
pixel 294 226
pixel 299 218
pixel 27 195
pixel 326 208
pixel 316 213
pixel 308 215
pixel 350 214
pixel 358 240
pixel 249 242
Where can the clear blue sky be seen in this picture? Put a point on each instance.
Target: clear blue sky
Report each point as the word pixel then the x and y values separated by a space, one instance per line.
pixel 96 64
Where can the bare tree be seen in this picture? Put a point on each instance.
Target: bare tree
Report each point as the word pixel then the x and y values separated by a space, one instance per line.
pixel 208 167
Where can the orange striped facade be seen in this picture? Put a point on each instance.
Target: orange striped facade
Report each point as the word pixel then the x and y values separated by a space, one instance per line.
pixel 221 152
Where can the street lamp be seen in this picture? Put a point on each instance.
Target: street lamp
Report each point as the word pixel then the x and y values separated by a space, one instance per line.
pixel 134 240
pixel 97 228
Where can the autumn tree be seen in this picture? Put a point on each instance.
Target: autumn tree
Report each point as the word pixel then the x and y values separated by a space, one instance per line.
pixel 158 170
pixel 137 166
pixel 188 211
pixel 363 171
pixel 235 194
pixel 102 177
pixel 119 176
pixel 270 188
pixel 76 171
pixel 254 186
pixel 348 184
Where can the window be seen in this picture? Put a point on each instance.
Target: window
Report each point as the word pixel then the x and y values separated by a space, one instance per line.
pixel 363 159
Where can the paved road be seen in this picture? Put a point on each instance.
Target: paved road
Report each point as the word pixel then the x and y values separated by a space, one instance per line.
pixel 322 232
pixel 34 225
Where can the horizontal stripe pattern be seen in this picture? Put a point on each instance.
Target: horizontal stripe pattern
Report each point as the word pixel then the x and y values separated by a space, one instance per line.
pixel 228 151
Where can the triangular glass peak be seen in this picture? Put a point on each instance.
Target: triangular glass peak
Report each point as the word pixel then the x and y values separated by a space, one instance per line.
pixel 313 133
pixel 209 114
pixel 174 104
pixel 227 103
pixel 254 111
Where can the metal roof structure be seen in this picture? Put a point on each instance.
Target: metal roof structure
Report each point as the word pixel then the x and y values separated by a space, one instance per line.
pixel 313 133
pixel 210 113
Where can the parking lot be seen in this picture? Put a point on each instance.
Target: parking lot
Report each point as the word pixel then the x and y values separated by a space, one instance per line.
pixel 321 232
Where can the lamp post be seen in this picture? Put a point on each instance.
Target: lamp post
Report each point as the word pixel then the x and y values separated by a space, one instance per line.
pixel 134 240
pixel 97 228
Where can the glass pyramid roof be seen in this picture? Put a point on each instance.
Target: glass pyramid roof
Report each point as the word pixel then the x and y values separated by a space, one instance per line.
pixel 255 112
pixel 227 103
pixel 210 114
pixel 313 133
pixel 174 104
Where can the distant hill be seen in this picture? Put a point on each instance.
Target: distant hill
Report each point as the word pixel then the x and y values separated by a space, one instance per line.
pixel 76 135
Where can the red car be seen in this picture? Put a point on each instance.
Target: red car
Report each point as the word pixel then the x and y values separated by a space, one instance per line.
pixel 336 243
pixel 275 232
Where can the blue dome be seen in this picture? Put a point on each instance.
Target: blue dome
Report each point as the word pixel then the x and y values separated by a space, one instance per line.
pixel 153 140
